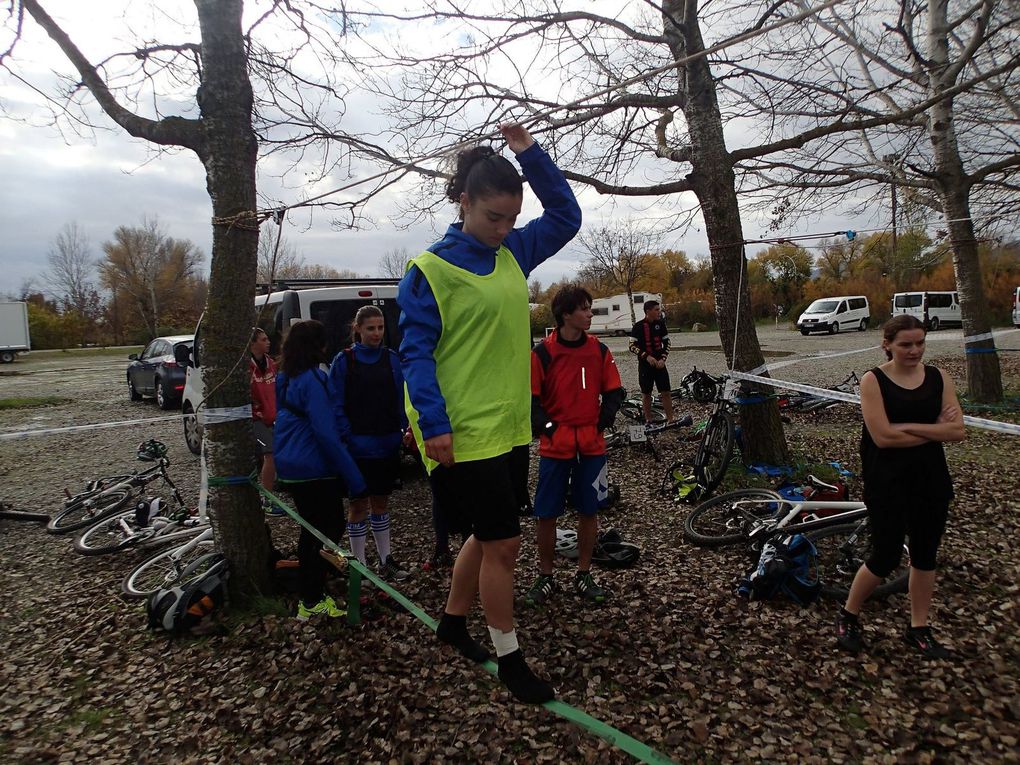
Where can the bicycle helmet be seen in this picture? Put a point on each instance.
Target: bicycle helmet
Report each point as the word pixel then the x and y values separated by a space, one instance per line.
pixel 151 450
pixel 566 543
pixel 615 554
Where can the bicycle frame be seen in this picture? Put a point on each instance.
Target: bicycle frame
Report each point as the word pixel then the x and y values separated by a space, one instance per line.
pixel 851 511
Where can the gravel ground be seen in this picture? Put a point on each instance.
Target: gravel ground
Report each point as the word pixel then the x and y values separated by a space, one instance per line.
pixel 675 660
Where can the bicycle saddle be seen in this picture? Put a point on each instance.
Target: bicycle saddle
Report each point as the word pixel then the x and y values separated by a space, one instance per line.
pixel 820 484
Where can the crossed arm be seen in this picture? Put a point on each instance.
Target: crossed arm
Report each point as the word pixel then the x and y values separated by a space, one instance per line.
pixel 887 435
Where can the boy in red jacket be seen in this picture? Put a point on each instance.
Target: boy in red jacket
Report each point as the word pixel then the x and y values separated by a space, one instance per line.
pixel 576 392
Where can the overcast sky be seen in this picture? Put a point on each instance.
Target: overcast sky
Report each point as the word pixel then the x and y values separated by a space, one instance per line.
pixel 109 179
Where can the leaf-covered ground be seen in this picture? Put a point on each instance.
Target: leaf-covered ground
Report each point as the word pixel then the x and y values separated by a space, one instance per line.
pixel 674 660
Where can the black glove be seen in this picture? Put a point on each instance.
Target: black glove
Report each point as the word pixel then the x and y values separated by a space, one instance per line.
pixel 548 429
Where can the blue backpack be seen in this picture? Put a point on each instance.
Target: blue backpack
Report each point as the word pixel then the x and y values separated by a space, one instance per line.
pixel 787 567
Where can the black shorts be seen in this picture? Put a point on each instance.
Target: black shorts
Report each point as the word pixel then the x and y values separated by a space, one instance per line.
pixel 649 376
pixel 482 497
pixel 380 474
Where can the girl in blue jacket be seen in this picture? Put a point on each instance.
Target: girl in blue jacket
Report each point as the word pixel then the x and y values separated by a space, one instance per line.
pixel 370 413
pixel 311 459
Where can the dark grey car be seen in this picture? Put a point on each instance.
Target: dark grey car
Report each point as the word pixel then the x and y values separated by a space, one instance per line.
pixel 155 371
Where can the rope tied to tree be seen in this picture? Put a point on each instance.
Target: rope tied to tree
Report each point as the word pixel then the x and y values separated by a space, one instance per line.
pixel 247 220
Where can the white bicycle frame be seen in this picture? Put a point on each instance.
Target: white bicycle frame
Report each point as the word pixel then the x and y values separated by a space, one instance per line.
pixel 849 511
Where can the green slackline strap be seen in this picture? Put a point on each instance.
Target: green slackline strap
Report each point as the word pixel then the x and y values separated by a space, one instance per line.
pixel 232 480
pixel 636 749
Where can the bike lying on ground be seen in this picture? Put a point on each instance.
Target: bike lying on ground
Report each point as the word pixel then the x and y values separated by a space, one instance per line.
pixel 171 568
pixel 146 522
pixel 811 402
pixel 839 530
pixel 104 497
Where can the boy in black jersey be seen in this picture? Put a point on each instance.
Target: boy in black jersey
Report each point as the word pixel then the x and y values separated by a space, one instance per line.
pixel 650 343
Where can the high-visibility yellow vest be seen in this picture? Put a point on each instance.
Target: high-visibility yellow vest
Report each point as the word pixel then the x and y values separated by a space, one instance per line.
pixel 483 358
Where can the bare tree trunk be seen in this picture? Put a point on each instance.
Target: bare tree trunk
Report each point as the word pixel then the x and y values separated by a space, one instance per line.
pixel 225 99
pixel 984 380
pixel 714 184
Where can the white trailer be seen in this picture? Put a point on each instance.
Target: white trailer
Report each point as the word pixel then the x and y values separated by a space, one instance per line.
pixel 13 331
pixel 612 316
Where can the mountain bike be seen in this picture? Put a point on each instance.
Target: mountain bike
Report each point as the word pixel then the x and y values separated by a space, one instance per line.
pixel 839 530
pixel 642 434
pixel 141 527
pixel 811 402
pixel 174 567
pixel 104 497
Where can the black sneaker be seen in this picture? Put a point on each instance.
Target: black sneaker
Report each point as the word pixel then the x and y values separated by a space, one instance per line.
pixel 922 640
pixel 589 589
pixel 848 632
pixel 541 590
pixel 393 571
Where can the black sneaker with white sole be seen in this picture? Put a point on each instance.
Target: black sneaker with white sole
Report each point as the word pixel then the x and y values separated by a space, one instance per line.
pixel 393 571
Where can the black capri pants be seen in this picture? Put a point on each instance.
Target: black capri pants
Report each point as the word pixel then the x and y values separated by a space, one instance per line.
pixel 923 523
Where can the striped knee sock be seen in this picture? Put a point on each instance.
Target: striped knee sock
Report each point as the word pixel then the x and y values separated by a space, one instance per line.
pixel 381 534
pixel 357 533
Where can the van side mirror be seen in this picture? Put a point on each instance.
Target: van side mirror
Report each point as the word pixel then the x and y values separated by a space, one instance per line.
pixel 133 357
pixel 182 355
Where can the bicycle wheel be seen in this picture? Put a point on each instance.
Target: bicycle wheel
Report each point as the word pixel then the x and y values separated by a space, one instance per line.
pixel 720 521
pixel 841 552
pixel 84 511
pixel 714 451
pixel 169 568
pixel 107 535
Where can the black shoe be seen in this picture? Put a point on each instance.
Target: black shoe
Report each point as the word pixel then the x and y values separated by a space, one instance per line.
pixel 393 571
pixel 922 640
pixel 848 632
pixel 452 630
pixel 525 686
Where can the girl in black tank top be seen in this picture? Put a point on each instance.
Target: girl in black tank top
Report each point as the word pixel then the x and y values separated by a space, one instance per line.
pixel 909 410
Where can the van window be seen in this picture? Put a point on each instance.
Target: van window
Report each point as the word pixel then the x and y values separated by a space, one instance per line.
pixel 600 311
pixel 857 303
pixel 907 300
pixel 338 315
pixel 639 299
pixel 842 307
pixel 616 308
pixel 822 306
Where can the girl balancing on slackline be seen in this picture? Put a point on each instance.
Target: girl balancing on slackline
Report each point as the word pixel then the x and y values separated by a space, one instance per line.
pixel 466 360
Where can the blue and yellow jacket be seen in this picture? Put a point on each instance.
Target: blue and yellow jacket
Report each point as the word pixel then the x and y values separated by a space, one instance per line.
pixel 420 322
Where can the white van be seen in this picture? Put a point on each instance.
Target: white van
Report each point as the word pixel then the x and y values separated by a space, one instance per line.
pixel 836 314
pixel 290 301
pixel 933 309
pixel 612 316
pixel 1016 307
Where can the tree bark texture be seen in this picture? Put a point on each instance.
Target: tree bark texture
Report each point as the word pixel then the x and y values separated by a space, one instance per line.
pixel 984 379
pixel 714 182
pixel 225 101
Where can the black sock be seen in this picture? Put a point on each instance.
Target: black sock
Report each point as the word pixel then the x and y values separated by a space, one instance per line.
pixel 452 630
pixel 850 616
pixel 517 676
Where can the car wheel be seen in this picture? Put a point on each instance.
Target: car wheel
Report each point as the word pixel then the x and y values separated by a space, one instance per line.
pixel 864 325
pixel 133 394
pixel 805 332
pixel 162 398
pixel 6 357
pixel 192 431
pixel 935 324
pixel 834 328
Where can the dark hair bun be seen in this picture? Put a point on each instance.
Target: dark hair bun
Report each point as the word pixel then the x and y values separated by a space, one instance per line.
pixel 481 172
